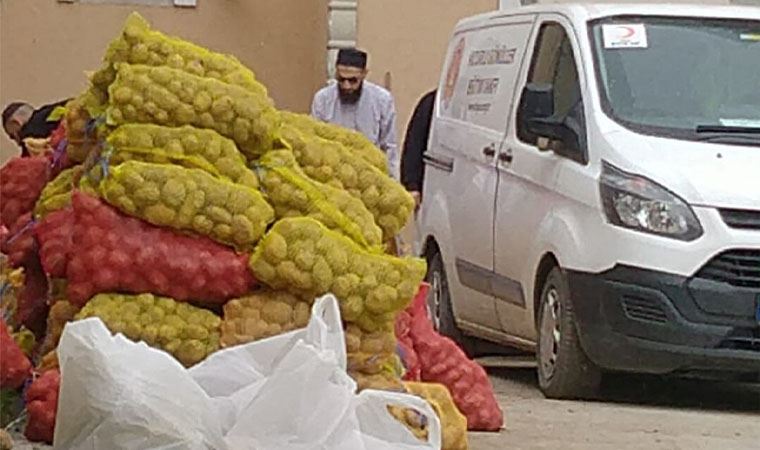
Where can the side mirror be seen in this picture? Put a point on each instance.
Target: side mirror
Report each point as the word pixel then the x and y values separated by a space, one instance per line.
pixel 537 101
pixel 537 119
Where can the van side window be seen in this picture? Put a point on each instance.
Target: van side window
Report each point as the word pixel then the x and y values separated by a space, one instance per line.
pixel 554 63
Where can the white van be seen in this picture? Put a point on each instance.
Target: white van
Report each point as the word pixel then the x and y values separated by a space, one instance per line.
pixel 592 189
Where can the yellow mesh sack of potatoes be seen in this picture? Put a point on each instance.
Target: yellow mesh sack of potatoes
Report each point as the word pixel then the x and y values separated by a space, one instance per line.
pixel 356 142
pixel 302 256
pixel 189 200
pixel 384 381
pixel 293 194
pixel 262 315
pixel 188 146
pixel 61 313
pixel 187 332
pixel 48 362
pixel 139 44
pixel 171 97
pixel 57 193
pixel 411 419
pixel 333 164
pixel 370 353
pixel 453 422
pixel 80 133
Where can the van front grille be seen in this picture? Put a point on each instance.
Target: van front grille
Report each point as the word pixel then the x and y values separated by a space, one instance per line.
pixel 741 219
pixel 740 268
pixel 743 339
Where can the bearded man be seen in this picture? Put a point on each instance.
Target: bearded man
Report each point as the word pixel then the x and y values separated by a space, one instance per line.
pixel 353 102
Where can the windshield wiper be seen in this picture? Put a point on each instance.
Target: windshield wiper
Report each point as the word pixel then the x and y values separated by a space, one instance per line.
pixel 722 129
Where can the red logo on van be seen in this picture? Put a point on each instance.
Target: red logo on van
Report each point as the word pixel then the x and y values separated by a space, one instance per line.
pixel 452 74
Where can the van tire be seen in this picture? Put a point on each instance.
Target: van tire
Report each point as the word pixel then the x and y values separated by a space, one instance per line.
pixel 445 323
pixel 564 370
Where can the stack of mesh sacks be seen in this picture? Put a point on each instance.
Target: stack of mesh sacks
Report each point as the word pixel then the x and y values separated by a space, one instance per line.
pixel 163 209
pixel 198 216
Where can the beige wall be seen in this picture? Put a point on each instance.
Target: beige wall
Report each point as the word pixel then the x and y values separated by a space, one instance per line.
pixel 46 46
pixel 407 39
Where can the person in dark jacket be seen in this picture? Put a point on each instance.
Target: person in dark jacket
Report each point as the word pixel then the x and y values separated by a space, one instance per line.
pixel 21 121
pixel 415 145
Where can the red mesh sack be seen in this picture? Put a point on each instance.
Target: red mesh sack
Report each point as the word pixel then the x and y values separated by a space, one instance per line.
pixel 32 299
pixel 403 326
pixel 54 239
pixel 112 252
pixel 21 182
pixel 19 243
pixel 443 362
pixel 59 158
pixel 58 135
pixel 15 367
pixel 41 406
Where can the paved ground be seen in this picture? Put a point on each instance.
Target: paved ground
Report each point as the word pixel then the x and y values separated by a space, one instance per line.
pixel 642 413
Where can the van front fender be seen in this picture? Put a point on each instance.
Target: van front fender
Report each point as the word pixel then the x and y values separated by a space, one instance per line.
pixel 576 243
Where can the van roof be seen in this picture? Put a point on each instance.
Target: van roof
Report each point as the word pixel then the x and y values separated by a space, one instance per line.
pixel 584 12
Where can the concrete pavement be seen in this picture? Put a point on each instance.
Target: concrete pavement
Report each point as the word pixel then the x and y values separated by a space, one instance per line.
pixel 642 413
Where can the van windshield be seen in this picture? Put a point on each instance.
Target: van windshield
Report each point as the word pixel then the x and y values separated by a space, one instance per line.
pixel 679 77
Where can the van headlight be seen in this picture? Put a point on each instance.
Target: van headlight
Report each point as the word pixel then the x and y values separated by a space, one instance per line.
pixel 634 202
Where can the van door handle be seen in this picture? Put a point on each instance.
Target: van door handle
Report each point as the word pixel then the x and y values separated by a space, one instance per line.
pixel 490 150
pixel 506 157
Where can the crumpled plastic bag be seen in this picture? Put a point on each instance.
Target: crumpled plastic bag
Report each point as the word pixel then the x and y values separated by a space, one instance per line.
pixel 288 392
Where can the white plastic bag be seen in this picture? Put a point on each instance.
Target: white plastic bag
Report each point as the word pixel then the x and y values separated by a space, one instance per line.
pixel 289 392
pixel 116 394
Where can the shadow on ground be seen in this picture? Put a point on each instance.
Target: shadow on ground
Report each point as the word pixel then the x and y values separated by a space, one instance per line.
pixel 656 391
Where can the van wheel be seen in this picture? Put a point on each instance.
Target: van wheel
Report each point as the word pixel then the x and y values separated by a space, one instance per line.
pixel 564 370
pixel 439 304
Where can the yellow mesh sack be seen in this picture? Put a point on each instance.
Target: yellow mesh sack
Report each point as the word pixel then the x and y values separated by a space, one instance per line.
pixel 139 44
pixel 370 353
pixel 171 97
pixel 61 313
pixel 302 256
pixel 81 136
pixel 384 381
pixel 453 422
pixel 188 146
pixel 356 142
pixel 293 194
pixel 262 315
pixel 48 362
pixel 333 164
pixel 12 281
pixel 411 419
pixel 189 200
pixel 57 193
pixel 187 332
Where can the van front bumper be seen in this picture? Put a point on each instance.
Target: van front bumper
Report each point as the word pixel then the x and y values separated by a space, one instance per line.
pixel 637 320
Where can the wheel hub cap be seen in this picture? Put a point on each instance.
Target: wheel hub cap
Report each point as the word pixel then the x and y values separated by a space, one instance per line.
pixel 434 299
pixel 550 333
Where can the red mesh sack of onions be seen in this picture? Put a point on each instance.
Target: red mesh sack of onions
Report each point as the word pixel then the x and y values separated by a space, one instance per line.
pixel 19 243
pixel 54 236
pixel 442 361
pixel 32 299
pixel 21 182
pixel 112 252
